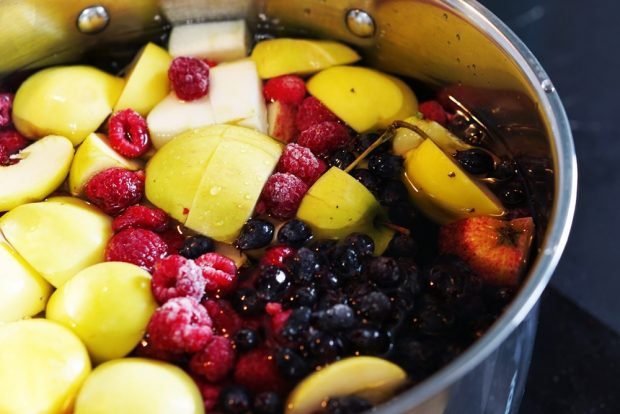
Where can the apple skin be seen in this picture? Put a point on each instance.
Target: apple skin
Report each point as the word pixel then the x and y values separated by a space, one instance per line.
pixel 43 167
pixel 42 367
pixel 107 305
pixel 71 101
pixel 139 386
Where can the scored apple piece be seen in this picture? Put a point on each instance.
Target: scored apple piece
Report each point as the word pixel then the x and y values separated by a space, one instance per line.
pixel 337 205
pixel 71 101
pixel 218 41
pixel 42 167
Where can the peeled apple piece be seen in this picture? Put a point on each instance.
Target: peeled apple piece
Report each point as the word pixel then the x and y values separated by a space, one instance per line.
pixel 218 41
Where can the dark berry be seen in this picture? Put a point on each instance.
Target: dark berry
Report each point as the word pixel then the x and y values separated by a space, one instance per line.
pixel 369 341
pixel 346 262
pixel 301 162
pixel 363 141
pixel 291 365
pixel 189 78
pixel 514 195
pixel 329 298
pixel 338 317
pixel 432 319
pixel 196 246
pixel 246 339
pixel 375 307
pixel 246 302
pixel 327 279
pixel 128 133
pixel 401 245
pixel 432 110
pixel 402 213
pixel 312 112
pixel 304 265
pixel 323 248
pixel 325 137
pixel 350 404
pixel 297 323
pixel 505 170
pixel 341 159
pixel 272 283
pixel 115 189
pixel 235 400
pixel 282 194
pixel 384 271
pixel 6 109
pixel 368 180
pixel 255 233
pixel 142 217
pixel 277 256
pixel 415 356
pixel 409 271
pixel 268 403
pixel 385 165
pixel 393 192
pixel 287 88
pixel 325 347
pixel 137 246
pixel 294 233
pixel 475 161
pixel 361 243
pixel 303 296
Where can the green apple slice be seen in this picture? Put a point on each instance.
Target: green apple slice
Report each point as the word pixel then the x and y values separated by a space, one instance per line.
pixel 43 166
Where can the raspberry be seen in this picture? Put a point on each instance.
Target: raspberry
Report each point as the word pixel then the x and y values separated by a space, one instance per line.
pixel 210 63
pixel 282 194
pixel 115 189
pixel 312 112
pixel 300 162
pixel 276 256
pixel 175 276
pixel 138 246
pixel 278 315
pixel 288 89
pixel 141 217
pixel 6 107
pixel 214 361
pixel 226 321
pixel 324 137
pixel 219 271
pixel 11 142
pixel 173 238
pixel 210 394
pixel 180 325
pixel 257 371
pixel 434 111
pixel 128 133
pixel 189 78
pixel 145 349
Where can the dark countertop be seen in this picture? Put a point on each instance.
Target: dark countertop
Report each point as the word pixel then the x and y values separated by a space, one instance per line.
pixel 576 359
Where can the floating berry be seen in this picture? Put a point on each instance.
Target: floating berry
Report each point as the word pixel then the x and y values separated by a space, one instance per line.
pixel 175 276
pixel 196 246
pixel 384 271
pixel 115 189
pixel 215 360
pixel 287 88
pixel 368 180
pixel 246 302
pixel 361 243
pixel 385 165
pixel 219 272
pixel 173 238
pixel 257 371
pixel 210 395
pixel 277 256
pixel 246 339
pixel 189 78
pixel 235 400
pixel 272 283
pixel 6 107
pixel 142 217
pixel 255 233
pixel 475 161
pixel 294 233
pixel 282 194
pixel 312 112
pixel 137 246
pixel 226 321
pixel 268 403
pixel 180 325
pixel 325 137
pixel 11 142
pixel 301 162
pixel 341 159
pixel 291 365
pixel 434 111
pixel 128 133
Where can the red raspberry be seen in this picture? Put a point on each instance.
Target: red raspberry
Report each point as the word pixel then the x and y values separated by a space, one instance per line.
pixel 189 78
pixel 324 137
pixel 180 325
pixel 226 321
pixel 115 189
pixel 141 217
pixel 145 349
pixel 312 112
pixel 11 142
pixel 278 315
pixel 175 276
pixel 257 371
pixel 210 395
pixel 6 107
pixel 128 133
pixel 434 111
pixel 276 256
pixel 173 238
pixel 209 62
pixel 214 361
pixel 138 246
pixel 282 194
pixel 287 88
pixel 219 271
pixel 300 162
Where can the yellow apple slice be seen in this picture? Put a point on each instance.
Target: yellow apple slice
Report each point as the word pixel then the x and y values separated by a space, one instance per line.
pixel 337 205
pixel 146 82
pixel 364 98
pixel 442 190
pixel 43 166
pixel 23 292
pixel 71 101
pixel 42 367
pixel 275 57
pixel 219 41
pixel 372 378
pixel 93 156
pixel 107 305
pixel 58 237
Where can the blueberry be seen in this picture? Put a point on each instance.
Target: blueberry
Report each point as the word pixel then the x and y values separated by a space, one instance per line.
pixel 341 159
pixel 368 180
pixel 415 356
pixel 272 283
pixel 475 161
pixel 196 246
pixel 410 283
pixel 385 165
pixel 450 279
pixel 432 319
pixel 401 245
pixel 290 364
pixel 246 339
pixel 347 405
pixel 256 233
pixel 304 265
pixel 327 279
pixel 505 170
pixel 402 213
pixel 361 243
pixel 375 307
pixel 514 195
pixel 268 403
pixel 297 323
pixel 346 263
pixel 369 341
pixel 294 233
pixel 325 347
pixel 329 298
pixel 384 271
pixel 246 302
pixel 338 317
pixel 302 296
pixel 393 192
pixel 235 400
pixel 363 141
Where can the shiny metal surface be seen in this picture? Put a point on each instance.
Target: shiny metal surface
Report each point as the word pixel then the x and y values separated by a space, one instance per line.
pixel 440 42
pixel 93 19
pixel 360 23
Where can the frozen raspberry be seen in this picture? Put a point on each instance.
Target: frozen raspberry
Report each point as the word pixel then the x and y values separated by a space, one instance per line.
pixel 282 194
pixel 288 89
pixel 324 137
pixel 11 142
pixel 173 238
pixel 138 246
pixel 189 78
pixel 115 189
pixel 6 107
pixel 141 217
pixel 312 112
pixel 175 276
pixel 128 133
pixel 214 361
pixel 278 315
pixel 434 111
pixel 219 271
pixel 257 371
pixel 180 325
pixel 300 162
pixel 226 321
pixel 210 394
pixel 276 256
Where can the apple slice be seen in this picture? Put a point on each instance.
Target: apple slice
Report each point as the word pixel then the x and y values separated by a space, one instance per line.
pixel 406 139
pixel 281 119
pixel 71 101
pixel 275 57
pixel 58 237
pixel 43 166
pixel 42 367
pixel 93 156
pixel 23 292
pixel 146 82
pixel 218 41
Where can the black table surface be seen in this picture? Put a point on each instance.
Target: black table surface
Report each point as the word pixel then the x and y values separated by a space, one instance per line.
pixel 576 363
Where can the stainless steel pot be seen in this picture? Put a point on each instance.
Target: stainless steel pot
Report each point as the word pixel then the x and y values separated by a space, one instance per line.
pixel 440 42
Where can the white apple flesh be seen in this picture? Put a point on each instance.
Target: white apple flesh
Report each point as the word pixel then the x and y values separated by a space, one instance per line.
pixel 218 41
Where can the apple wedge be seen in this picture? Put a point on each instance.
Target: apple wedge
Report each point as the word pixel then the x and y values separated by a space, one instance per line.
pixel 406 139
pixel 281 120
pixel 43 166
pixel 218 41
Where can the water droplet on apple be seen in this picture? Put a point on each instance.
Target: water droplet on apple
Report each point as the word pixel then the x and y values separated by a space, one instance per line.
pixel 215 190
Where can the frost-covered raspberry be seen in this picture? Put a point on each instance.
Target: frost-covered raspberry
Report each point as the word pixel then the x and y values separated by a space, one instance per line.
pixel 219 272
pixel 141 217
pixel 282 195
pixel 214 361
pixel 312 112
pixel 189 78
pixel 301 162
pixel 289 89
pixel 325 137
pixel 137 246
pixel 175 276
pixel 128 133
pixel 115 189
